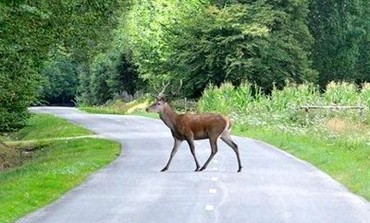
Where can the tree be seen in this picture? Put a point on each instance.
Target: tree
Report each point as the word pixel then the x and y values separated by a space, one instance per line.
pixel 29 30
pixel 126 77
pixel 59 79
pixel 336 48
pixel 363 62
pixel 144 31
pixel 252 41
pixel 20 54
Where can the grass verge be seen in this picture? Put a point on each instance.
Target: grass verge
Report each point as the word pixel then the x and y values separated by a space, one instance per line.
pixel 102 110
pixel 345 160
pixel 54 166
pixel 118 107
pixel 43 126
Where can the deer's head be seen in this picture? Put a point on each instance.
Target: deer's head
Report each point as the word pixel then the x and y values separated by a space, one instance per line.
pixel 159 105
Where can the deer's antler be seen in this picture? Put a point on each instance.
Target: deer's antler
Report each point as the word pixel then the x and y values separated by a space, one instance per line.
pixel 161 94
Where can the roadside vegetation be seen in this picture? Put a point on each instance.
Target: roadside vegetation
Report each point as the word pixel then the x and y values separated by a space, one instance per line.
pixel 118 106
pixel 39 164
pixel 336 141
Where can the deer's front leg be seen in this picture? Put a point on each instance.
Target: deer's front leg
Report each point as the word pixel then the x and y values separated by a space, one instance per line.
pixel 173 152
pixel 192 150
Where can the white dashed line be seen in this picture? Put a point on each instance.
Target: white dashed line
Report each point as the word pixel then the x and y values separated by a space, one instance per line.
pixel 212 191
pixel 214 168
pixel 215 161
pixel 214 179
pixel 209 207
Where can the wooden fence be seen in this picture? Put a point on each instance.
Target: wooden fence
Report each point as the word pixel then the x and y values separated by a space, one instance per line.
pixel 307 108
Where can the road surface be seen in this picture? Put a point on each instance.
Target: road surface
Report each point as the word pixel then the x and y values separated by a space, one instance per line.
pixel 273 187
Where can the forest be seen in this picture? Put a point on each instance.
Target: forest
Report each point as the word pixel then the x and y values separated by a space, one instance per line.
pixel 79 52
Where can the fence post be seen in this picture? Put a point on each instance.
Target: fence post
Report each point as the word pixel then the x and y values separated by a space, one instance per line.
pixel 361 112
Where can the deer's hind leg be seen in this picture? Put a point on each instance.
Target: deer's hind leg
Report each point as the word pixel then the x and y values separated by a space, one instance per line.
pixel 225 136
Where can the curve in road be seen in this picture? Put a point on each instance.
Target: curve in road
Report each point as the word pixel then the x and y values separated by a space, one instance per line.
pixel 273 187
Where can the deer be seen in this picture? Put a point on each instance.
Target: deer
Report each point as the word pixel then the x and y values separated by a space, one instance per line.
pixel 189 127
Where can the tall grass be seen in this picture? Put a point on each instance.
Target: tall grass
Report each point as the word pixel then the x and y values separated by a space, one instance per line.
pixel 280 109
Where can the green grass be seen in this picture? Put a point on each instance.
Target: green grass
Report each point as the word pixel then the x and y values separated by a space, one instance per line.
pixel 146 114
pixel 346 161
pixel 118 107
pixel 102 110
pixel 108 110
pixel 43 126
pixel 55 165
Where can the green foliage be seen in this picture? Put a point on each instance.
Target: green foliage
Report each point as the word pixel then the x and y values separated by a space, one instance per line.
pixel 59 79
pixel 29 30
pixel 109 76
pixel 147 31
pixel 126 77
pixel 340 37
pixel 110 47
pixel 201 43
pixel 100 70
pixel 118 106
pixel 363 24
pixel 342 93
pixel 365 94
pixel 17 74
pixel 280 109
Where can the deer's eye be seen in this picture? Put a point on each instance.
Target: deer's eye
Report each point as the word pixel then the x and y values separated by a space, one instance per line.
pixel 158 103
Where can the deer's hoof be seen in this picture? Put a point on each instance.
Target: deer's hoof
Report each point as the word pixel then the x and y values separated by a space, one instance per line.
pixel 239 170
pixel 164 169
pixel 201 169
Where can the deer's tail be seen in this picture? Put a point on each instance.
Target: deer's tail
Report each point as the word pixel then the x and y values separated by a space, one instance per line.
pixel 229 123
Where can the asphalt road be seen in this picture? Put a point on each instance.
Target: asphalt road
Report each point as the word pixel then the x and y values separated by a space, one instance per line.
pixel 273 187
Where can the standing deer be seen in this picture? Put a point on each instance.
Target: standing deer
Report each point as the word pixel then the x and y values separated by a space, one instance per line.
pixel 192 127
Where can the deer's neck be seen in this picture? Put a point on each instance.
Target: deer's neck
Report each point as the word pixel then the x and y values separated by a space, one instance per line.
pixel 168 116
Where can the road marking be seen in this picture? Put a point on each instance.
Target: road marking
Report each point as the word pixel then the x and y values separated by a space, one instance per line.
pixel 209 207
pixel 212 191
pixel 215 168
pixel 214 179
pixel 215 161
